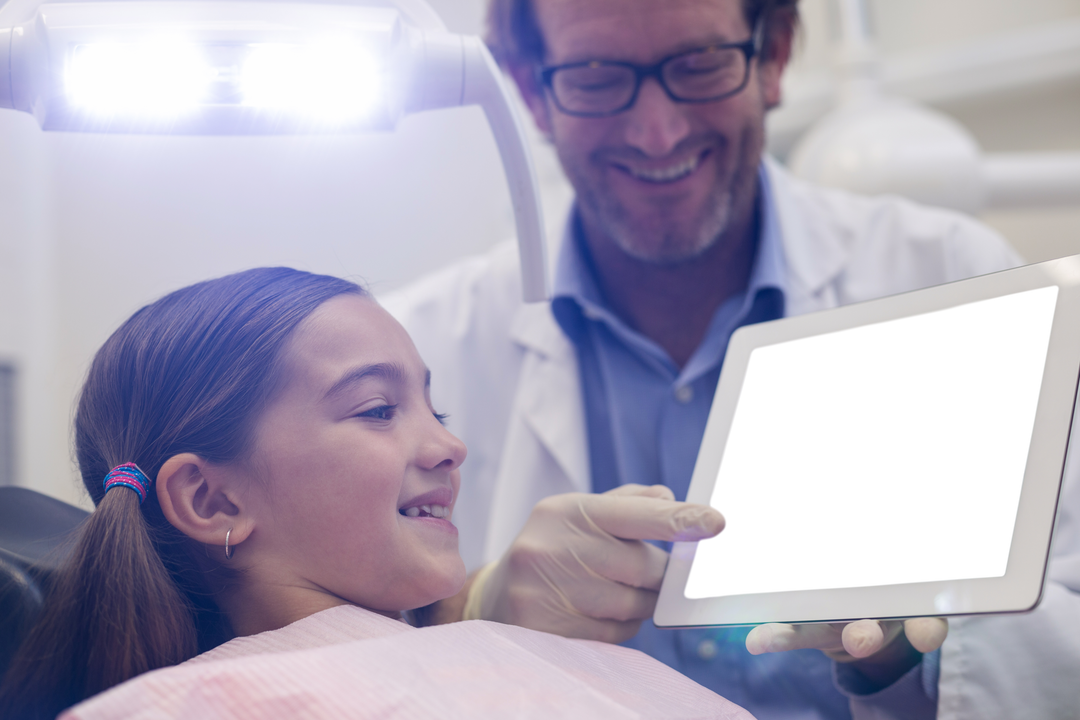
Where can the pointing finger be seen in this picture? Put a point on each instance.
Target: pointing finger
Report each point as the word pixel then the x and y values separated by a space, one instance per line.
pixel 633 517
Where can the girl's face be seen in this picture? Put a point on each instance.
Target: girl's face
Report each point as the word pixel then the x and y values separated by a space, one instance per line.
pixel 356 473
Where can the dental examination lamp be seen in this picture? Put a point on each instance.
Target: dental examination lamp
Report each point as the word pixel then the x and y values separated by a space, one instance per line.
pixel 258 67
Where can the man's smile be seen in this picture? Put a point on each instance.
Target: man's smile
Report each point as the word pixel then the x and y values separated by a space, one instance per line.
pixel 663 173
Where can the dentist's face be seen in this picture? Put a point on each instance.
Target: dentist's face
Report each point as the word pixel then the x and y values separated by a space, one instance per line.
pixel 663 179
pixel 360 474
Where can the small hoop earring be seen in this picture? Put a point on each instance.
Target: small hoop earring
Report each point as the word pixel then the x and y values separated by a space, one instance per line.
pixel 228 552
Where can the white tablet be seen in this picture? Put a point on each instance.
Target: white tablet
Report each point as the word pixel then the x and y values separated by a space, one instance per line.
pixel 894 458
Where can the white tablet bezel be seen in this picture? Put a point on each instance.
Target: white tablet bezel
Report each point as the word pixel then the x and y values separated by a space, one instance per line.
pixel 1021 587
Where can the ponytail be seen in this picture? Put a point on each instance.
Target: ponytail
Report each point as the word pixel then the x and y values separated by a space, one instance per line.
pixel 113 612
pixel 188 373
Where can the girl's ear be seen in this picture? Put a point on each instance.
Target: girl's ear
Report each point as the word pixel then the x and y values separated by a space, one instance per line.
pixel 203 501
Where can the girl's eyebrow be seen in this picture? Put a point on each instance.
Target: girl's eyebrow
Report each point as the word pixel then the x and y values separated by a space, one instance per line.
pixel 392 372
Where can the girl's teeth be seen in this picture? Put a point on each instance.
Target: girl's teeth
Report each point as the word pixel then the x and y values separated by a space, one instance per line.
pixel 437 511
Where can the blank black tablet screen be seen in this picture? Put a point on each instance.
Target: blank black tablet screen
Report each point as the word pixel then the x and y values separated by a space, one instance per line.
pixel 911 435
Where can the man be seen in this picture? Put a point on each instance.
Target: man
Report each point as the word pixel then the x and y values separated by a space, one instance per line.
pixel 680 234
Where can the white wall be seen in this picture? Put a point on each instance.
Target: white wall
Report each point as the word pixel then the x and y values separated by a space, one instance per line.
pixel 29 301
pixel 95 226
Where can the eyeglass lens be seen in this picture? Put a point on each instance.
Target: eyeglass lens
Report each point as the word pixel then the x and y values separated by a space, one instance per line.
pixel 600 87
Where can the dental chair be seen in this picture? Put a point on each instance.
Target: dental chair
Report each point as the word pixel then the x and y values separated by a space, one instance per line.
pixel 33 531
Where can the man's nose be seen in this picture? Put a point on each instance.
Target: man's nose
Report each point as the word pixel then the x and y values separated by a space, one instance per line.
pixel 656 124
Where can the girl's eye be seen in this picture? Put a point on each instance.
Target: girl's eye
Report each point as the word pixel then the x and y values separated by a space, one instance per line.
pixel 382 412
pixel 441 417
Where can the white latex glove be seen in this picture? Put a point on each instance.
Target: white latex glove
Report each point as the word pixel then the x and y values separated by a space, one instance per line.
pixel 884 650
pixel 579 568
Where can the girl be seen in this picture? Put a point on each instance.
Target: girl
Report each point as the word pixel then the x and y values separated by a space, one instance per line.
pixel 267 466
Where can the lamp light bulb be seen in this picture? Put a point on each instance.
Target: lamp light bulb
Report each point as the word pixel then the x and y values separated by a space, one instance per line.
pixel 156 78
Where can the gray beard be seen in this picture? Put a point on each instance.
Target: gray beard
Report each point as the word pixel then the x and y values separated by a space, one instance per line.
pixel 671 245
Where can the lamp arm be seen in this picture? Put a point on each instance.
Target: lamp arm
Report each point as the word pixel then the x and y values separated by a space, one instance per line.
pixel 10 15
pixel 484 86
pixel 7 99
pixel 1020 180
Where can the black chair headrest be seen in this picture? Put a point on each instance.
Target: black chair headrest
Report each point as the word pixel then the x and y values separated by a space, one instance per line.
pixel 33 531
pixel 33 526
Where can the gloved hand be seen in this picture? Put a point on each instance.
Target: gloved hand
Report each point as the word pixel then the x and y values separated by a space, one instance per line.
pixel 579 568
pixel 884 650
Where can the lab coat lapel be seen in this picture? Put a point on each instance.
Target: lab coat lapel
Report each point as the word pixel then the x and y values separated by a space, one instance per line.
pixel 546 450
pixel 549 392
pixel 815 256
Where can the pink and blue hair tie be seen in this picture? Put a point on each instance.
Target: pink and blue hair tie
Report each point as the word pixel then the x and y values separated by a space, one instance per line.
pixel 130 476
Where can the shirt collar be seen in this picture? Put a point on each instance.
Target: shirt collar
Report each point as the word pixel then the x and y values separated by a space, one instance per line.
pixel 575 277
pixel 770 266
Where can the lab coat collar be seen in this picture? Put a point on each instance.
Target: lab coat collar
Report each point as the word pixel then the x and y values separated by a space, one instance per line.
pixel 814 259
pixel 534 328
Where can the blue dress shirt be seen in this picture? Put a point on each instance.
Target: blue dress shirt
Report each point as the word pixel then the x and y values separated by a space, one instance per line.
pixel 645 420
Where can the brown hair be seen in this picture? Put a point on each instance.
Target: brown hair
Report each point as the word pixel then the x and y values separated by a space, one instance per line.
pixel 188 373
pixel 515 39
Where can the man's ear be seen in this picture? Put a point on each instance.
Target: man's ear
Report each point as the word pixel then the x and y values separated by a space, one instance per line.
pixel 202 501
pixel 776 55
pixel 533 95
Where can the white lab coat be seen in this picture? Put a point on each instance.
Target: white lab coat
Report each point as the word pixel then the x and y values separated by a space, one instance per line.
pixel 509 379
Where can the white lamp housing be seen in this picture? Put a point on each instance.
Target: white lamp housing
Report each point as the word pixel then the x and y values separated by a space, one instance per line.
pixel 250 67
pixel 888 145
pixel 872 143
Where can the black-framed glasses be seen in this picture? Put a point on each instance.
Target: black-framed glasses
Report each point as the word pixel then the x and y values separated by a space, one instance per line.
pixel 598 88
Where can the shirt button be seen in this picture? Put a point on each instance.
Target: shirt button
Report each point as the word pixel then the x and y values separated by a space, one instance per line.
pixel 590 313
pixel 684 394
pixel 707 649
